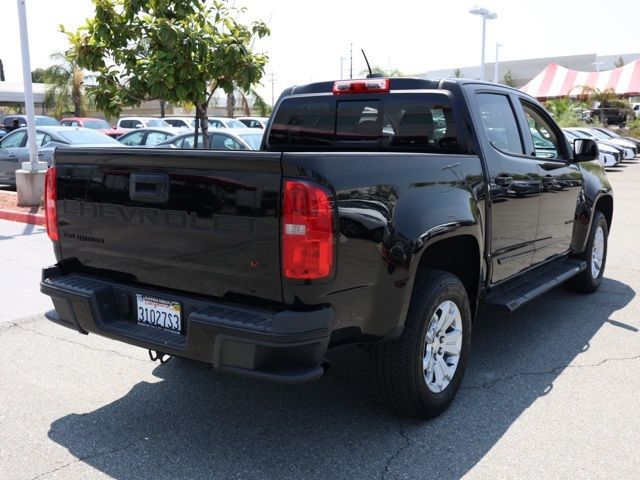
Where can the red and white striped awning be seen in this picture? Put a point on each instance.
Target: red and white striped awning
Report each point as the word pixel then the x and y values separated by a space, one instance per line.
pixel 557 81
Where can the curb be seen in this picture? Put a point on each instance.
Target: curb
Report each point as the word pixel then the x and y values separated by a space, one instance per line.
pixel 32 218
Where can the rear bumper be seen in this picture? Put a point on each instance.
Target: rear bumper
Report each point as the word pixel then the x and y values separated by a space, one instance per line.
pixel 285 346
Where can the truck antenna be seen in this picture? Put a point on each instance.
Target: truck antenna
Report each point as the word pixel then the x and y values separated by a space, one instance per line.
pixel 371 74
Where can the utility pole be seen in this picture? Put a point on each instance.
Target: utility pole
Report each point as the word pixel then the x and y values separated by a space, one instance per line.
pixel 1 71
pixel 273 83
pixel 495 65
pixel 342 59
pixel 351 60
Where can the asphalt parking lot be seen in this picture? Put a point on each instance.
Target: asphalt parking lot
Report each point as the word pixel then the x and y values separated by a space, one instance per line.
pixel 553 391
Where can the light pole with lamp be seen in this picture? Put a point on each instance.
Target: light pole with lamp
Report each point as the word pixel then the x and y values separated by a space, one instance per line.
pixel 486 15
pixel 495 66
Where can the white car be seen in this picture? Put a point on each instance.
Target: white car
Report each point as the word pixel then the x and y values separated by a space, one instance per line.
pixel 131 123
pixel 630 149
pixel 608 156
pixel 180 122
pixel 254 122
pixel 221 139
pixel 627 150
pixel 224 122
pixel 214 122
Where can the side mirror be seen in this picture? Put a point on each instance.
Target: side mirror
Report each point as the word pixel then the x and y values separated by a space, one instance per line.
pixel 585 149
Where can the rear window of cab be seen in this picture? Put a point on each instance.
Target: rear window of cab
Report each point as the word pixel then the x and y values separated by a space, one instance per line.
pixel 416 122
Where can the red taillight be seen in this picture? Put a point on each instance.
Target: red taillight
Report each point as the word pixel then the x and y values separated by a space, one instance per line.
pixel 307 231
pixel 50 197
pixel 372 85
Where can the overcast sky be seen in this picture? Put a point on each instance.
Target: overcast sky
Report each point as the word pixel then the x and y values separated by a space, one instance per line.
pixel 309 38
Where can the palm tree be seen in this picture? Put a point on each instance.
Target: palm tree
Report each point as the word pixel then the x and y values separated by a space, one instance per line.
pixel 605 97
pixel 248 98
pixel 65 91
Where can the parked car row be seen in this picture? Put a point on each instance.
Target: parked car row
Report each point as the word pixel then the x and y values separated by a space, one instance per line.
pixel 613 148
pixel 14 149
pixel 89 132
pixel 127 124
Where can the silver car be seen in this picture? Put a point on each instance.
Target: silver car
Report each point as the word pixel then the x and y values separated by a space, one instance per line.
pixel 14 148
pixel 221 139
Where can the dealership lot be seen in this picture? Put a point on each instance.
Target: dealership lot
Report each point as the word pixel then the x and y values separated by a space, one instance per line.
pixel 553 391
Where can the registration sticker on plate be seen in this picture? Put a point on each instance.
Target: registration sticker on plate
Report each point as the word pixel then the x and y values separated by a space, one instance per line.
pixel 155 312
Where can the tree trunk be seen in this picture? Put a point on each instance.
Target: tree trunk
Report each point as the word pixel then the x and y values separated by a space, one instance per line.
pixel 245 105
pixel 231 103
pixel 77 79
pixel 201 115
pixel 162 104
pixel 196 129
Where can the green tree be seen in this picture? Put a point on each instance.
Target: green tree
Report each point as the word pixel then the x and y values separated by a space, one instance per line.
pixel 175 50
pixel 566 111
pixel 247 100
pixel 602 97
pixel 65 91
pixel 509 79
pixel 391 72
pixel 457 73
pixel 619 63
pixel 37 76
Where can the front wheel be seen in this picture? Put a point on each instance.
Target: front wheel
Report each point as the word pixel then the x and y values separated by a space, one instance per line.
pixel 595 254
pixel 419 373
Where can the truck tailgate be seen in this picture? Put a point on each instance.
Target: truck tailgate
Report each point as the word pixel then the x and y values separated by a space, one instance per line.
pixel 205 222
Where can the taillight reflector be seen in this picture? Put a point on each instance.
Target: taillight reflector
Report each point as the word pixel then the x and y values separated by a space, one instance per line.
pixel 50 197
pixel 307 231
pixel 373 85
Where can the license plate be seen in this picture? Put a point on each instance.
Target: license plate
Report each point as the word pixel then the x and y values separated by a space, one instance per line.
pixel 158 313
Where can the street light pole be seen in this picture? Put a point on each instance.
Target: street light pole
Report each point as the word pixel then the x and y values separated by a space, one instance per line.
pixel 486 15
pixel 28 89
pixel 29 178
pixel 495 66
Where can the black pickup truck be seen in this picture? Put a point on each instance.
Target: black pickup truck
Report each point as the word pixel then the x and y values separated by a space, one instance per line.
pixel 378 212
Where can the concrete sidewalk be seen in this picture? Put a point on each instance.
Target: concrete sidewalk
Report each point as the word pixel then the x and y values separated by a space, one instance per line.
pixel 24 250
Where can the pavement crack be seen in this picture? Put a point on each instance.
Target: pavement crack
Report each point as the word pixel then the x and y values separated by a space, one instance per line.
pixel 398 452
pixel 80 344
pixel 553 371
pixel 92 456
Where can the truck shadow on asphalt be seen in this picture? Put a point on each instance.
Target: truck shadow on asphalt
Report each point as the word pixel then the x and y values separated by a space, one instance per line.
pixel 198 424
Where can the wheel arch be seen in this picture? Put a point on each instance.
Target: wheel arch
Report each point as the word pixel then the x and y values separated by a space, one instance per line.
pixel 459 255
pixel 605 205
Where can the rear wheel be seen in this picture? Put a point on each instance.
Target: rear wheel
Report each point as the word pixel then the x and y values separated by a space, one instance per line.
pixel 595 254
pixel 419 373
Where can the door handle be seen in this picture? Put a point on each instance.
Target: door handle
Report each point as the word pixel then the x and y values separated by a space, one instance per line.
pixel 11 155
pixel 149 187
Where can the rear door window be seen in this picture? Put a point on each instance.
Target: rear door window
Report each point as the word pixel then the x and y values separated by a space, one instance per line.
pixel 154 138
pixel 500 123
pixel 133 139
pixel 187 142
pixel 42 139
pixel 224 142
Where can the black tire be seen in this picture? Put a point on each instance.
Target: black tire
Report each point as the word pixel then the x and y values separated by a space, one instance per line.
pixel 397 365
pixel 585 281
